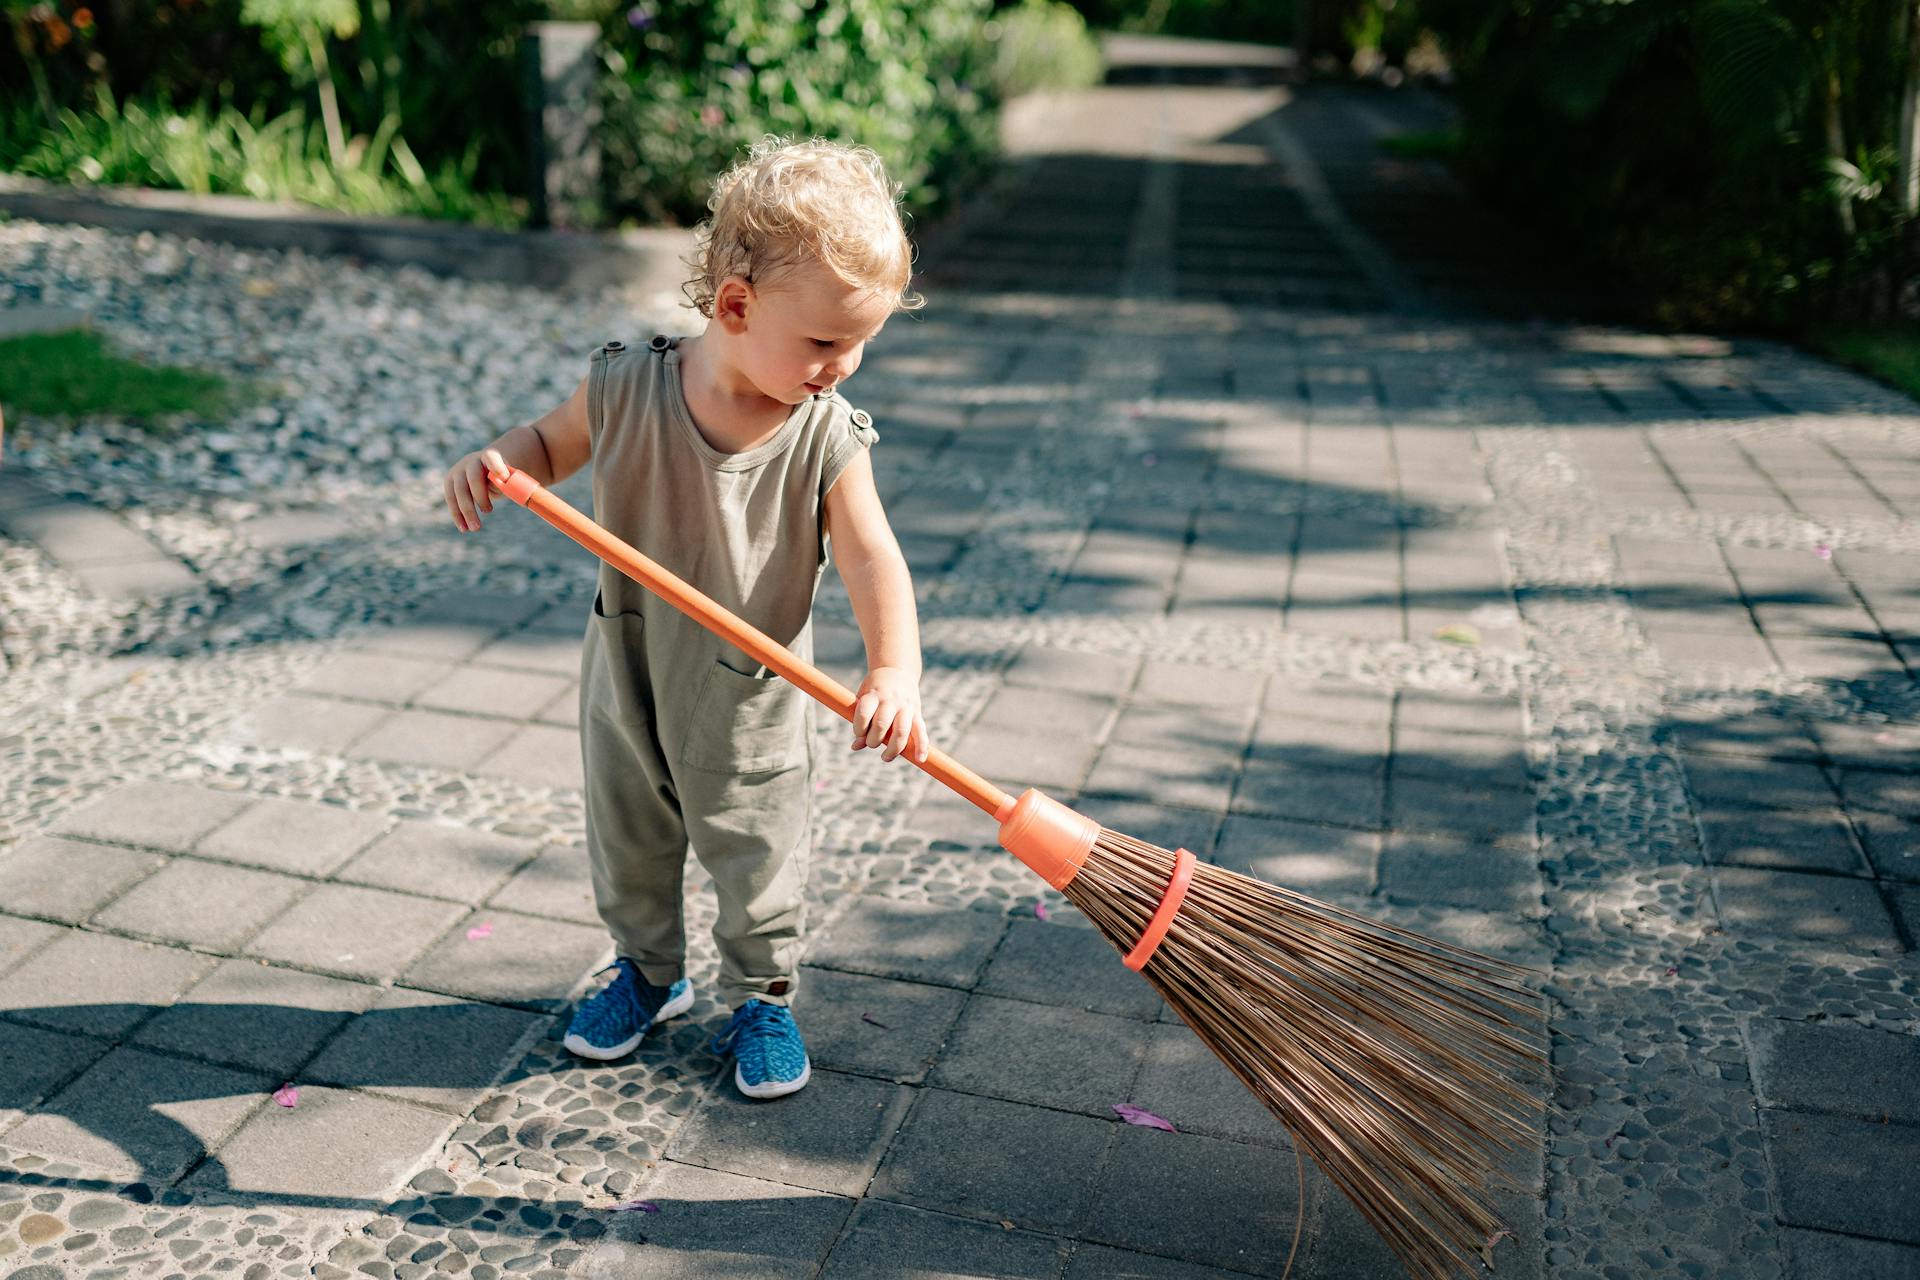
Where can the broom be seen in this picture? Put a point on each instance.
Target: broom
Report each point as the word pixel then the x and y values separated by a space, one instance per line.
pixel 1395 1060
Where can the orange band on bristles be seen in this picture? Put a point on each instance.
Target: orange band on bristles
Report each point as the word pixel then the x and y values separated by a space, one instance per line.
pixel 1183 864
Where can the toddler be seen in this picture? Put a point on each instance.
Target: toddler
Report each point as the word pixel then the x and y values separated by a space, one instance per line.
pixel 730 458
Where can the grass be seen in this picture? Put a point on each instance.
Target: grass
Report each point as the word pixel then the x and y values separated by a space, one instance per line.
pixel 66 375
pixel 1443 145
pixel 1889 354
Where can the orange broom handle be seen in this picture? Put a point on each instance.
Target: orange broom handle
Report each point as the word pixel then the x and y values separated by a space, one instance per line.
pixel 703 609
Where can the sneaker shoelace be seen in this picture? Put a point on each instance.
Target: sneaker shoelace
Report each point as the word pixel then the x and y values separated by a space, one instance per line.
pixel 757 1027
pixel 619 1002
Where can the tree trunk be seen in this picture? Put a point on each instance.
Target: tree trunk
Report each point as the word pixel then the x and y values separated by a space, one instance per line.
pixel 1837 148
pixel 1910 118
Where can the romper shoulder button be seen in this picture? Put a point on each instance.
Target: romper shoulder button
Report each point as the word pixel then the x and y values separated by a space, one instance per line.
pixel 659 342
pixel 861 418
pixel 616 346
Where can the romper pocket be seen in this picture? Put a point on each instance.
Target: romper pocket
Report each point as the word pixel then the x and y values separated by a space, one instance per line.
pixel 613 681
pixel 745 724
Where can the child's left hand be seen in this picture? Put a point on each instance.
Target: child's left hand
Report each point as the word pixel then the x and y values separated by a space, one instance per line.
pixel 886 713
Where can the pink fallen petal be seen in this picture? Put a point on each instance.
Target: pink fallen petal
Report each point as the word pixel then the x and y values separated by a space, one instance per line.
pixel 866 1018
pixel 1824 551
pixel 1672 972
pixel 634 1206
pixel 287 1096
pixel 1142 1117
pixel 1883 737
pixel 480 931
pixel 1040 909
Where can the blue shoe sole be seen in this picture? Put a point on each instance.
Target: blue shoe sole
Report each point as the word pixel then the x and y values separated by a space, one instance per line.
pixel 607 1053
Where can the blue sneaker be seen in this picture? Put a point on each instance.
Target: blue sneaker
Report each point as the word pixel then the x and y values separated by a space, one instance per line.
pixel 612 1024
pixel 772 1058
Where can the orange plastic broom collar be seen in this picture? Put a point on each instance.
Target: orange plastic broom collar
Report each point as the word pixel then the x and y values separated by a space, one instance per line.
pixel 1156 929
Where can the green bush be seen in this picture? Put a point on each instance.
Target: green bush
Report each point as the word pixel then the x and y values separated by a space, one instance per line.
pixel 1041 44
pixel 695 81
pixel 1264 21
pixel 227 153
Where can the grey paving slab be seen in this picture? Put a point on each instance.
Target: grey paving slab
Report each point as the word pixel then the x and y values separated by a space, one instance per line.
pixel 1470 760
pixel 1343 797
pixel 1344 1245
pixel 1501 816
pixel 293 836
pixel 1063 1058
pixel 1303 856
pixel 77 533
pixel 1892 844
pixel 1214 732
pixel 1815 1255
pixel 1756 783
pixel 1049 713
pixel 555 652
pixel 429 1050
pixel 487 691
pixel 206 904
pixel 68 879
pixel 951 1156
pixel 1162 1193
pixel 1714 733
pixel 19 939
pixel 331 1143
pixel 434 639
pixel 1846 1070
pixel 563 710
pixel 828 1137
pixel 141 1116
pixel 433 739
pixel 374 677
pixel 1439 869
pixel 1184 1082
pixel 539 756
pixel 369 934
pixel 304 723
pixel 1892 793
pixel 1327 702
pixel 1695 652
pixel 98 984
pixel 1189 684
pixel 256 1016
pixel 157 815
pixel 556 883
pixel 439 861
pixel 1873 745
pixel 874 1026
pixel 715 1224
pixel 35 1064
pixel 1784 839
pixel 1167 777
pixel 884 1240
pixel 911 941
pixel 135 580
pixel 523 960
pixel 1075 968
pixel 1833 909
pixel 1052 764
pixel 1840 1173
pixel 1100 675
pixel 1283 738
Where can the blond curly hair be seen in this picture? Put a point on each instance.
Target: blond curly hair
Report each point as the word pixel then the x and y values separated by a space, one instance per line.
pixel 789 203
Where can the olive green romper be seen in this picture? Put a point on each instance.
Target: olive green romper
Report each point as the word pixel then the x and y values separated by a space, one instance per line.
pixel 685 738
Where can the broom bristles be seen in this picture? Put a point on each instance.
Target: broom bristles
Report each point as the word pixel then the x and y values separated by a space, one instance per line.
pixel 1398 1062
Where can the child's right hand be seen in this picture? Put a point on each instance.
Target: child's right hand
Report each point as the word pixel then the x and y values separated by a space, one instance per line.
pixel 466 486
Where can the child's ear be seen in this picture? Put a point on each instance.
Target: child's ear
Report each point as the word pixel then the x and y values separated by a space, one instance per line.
pixel 731 302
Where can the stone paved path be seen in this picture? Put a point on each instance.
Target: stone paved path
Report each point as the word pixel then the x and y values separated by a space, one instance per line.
pixel 1239 518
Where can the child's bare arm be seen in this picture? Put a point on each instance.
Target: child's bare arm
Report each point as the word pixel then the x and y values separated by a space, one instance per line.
pixel 549 449
pixel 887 707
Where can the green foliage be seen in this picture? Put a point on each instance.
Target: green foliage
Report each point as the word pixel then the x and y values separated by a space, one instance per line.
pixel 696 81
pixel 1041 44
pixel 1442 145
pixel 1731 158
pixel 227 153
pixel 74 373
pixel 1890 354
pixel 1265 21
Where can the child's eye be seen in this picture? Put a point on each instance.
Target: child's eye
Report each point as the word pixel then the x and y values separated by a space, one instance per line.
pixel 823 342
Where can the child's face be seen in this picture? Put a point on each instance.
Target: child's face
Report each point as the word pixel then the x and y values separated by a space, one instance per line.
pixel 806 332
